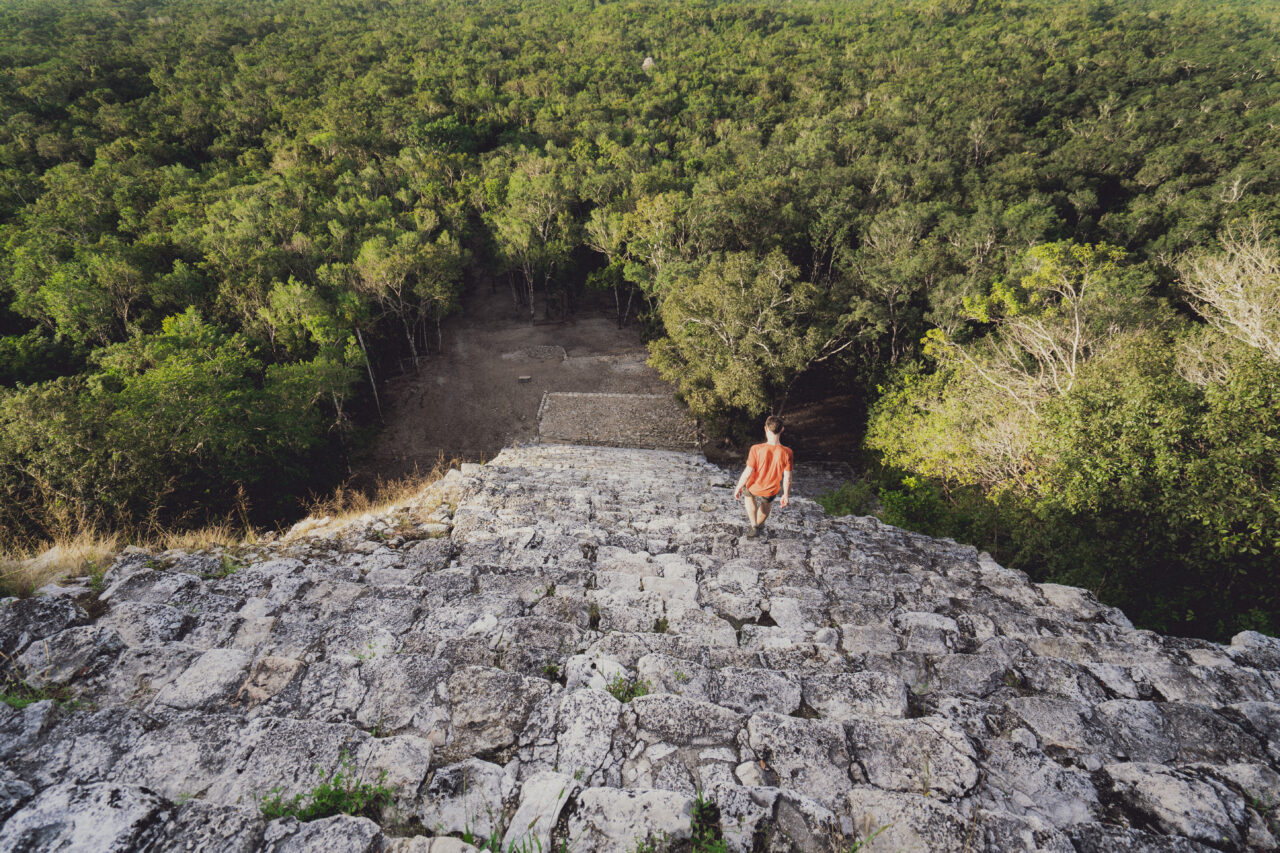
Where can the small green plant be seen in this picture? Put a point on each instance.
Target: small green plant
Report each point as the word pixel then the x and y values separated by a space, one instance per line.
pixel 659 843
pixel 660 625
pixel 97 576
pixel 593 616
pixel 706 835
pixel 20 694
pixel 338 793
pixel 869 835
pixel 551 671
pixel 682 677
pixel 625 689
pixel 227 566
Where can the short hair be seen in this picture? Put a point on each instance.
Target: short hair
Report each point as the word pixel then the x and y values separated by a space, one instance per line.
pixel 773 424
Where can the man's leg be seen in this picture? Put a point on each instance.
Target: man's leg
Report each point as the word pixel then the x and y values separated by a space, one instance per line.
pixel 765 506
pixel 749 504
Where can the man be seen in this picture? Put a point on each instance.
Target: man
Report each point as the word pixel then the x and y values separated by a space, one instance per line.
pixel 767 475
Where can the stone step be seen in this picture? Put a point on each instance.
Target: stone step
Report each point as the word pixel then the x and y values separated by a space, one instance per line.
pixel 568 643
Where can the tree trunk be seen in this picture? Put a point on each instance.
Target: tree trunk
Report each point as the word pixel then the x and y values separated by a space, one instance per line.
pixel 369 367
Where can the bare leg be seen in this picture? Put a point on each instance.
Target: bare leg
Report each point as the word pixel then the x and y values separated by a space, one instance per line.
pixel 765 506
pixel 749 503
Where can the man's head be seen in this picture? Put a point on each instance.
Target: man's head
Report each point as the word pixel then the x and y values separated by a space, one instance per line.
pixel 773 424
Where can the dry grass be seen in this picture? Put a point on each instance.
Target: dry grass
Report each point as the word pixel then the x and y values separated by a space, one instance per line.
pixel 78 555
pixel 89 551
pixel 346 504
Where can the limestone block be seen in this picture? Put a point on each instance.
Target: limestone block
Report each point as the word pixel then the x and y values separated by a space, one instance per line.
pixel 401 692
pixel 595 671
pixel 1179 803
pixel 153 587
pixel 468 796
pixel 610 820
pixel 1256 650
pixel 198 825
pixel 803 755
pixel 927 632
pixel 542 798
pixel 13 792
pixel 702 627
pixel 100 817
pixel 139 623
pixel 337 834
pixel 930 755
pixel 902 821
pixel 844 695
pixel 488 708
pixel 25 620
pixel 421 844
pixel 528 644
pixel 1022 780
pixel 1262 720
pixel 751 691
pixel 1058 724
pixel 184 758
pixel 214 677
pixel 73 654
pixel 671 719
pixel 667 674
pixel 140 672
pixel 587 720
pixel 1107 838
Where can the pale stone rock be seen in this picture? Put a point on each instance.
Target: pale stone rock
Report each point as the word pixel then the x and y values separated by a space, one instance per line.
pixel 98 817
pixel 421 844
pixel 1034 717
pixel 202 826
pixel 840 696
pixel 81 652
pixel 24 620
pixel 469 796
pixel 337 834
pixel 13 792
pixel 805 755
pixel 1178 803
pixel 930 756
pixel 609 820
pixel 749 691
pixel 902 821
pixel 542 798
pixel 488 708
pixel 214 677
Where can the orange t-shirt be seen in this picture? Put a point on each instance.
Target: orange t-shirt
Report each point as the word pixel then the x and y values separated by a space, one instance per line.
pixel 767 463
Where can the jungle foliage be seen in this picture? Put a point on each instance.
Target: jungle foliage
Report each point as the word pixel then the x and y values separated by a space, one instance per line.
pixel 1046 232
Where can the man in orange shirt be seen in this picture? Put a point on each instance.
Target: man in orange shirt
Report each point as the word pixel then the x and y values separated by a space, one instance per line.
pixel 767 475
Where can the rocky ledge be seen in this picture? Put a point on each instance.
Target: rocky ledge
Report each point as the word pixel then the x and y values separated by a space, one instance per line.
pixel 577 649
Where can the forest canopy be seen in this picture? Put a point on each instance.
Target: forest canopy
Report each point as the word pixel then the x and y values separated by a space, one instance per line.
pixel 1041 239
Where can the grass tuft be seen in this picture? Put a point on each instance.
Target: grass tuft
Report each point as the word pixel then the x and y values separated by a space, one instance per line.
pixel 625 689
pixel 338 793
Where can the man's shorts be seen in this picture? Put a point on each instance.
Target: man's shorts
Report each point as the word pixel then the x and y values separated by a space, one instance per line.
pixel 763 499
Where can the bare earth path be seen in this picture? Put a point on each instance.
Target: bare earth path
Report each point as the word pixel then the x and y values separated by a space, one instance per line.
pixel 470 401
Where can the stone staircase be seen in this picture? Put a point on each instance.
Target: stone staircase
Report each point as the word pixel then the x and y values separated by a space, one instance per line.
pixel 575 648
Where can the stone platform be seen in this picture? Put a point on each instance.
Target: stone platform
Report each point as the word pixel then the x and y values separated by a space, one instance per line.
pixel 575 648
pixel 653 421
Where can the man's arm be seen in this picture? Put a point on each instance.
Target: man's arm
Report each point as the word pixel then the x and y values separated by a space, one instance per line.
pixel 786 488
pixel 742 482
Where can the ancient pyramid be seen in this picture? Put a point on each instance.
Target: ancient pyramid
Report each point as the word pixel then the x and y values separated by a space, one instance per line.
pixel 575 648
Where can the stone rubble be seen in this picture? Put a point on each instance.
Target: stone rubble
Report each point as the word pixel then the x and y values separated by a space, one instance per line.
pixel 576 648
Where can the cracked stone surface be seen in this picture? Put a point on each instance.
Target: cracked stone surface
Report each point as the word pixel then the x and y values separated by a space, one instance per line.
pixel 571 645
